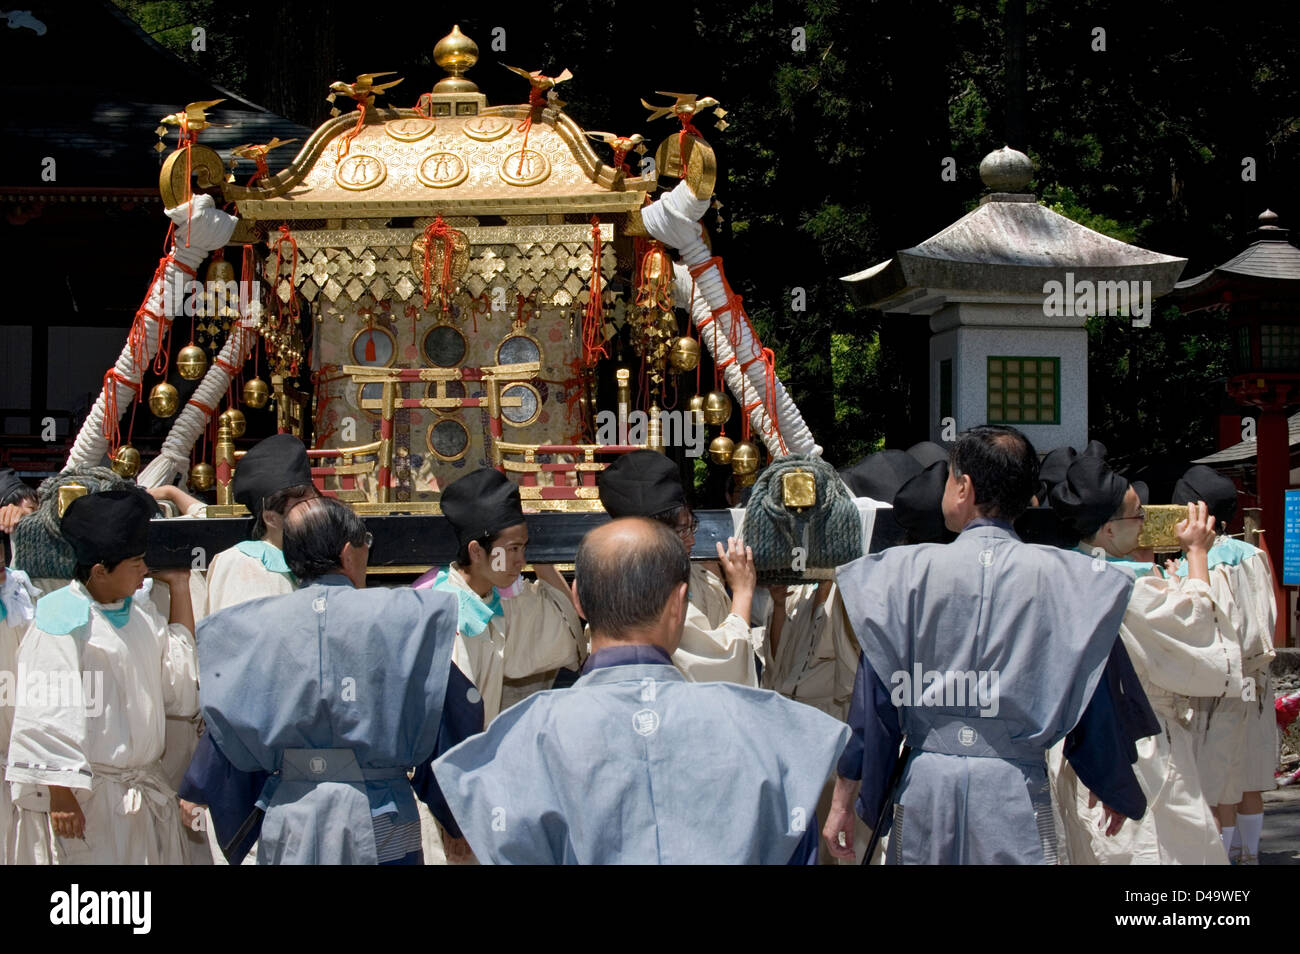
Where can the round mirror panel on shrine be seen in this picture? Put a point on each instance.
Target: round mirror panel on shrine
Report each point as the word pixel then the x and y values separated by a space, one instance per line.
pixel 448 439
pixel 444 347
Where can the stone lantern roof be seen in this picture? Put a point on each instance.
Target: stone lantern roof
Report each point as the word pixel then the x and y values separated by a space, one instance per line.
pixel 1006 249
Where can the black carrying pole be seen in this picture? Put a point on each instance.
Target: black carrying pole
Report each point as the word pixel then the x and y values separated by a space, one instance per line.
pixel 894 778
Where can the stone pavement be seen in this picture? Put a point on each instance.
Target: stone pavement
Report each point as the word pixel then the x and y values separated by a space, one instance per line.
pixel 1280 843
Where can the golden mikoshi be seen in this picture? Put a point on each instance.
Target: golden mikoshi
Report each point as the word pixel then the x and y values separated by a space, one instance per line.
pixel 720 450
pixel 256 393
pixel 191 362
pixel 126 461
pixel 164 399
pixel 203 476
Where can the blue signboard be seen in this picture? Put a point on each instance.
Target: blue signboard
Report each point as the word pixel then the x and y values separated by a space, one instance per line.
pixel 1291 539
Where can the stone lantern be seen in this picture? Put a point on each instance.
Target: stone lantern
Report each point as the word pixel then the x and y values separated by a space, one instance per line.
pixel 1007 290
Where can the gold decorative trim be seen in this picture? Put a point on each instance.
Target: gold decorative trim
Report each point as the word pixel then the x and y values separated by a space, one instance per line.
pixel 410 129
pixel 477 235
pixel 443 175
pixel 392 340
pixel 277 210
pixel 360 172
pixel 524 167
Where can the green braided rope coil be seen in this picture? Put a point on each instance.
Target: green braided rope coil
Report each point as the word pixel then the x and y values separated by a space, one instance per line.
pixel 829 534
pixel 39 548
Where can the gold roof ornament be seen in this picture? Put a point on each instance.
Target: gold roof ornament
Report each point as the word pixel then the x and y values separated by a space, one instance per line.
pixel 687 104
pixel 542 85
pixel 194 116
pixel 455 53
pixel 686 155
pixel 259 151
pixel 621 145
pixel 364 89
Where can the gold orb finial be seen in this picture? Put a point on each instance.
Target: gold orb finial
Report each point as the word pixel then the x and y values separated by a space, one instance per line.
pixel 455 53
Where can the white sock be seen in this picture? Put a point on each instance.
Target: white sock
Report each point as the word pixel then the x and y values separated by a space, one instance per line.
pixel 1236 840
pixel 1251 827
pixel 1226 834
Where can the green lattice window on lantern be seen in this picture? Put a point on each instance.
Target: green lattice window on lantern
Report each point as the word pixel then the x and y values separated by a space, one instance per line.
pixel 1279 347
pixel 1024 390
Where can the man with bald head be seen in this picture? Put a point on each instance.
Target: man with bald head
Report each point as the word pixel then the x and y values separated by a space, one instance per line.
pixel 319 702
pixel 633 764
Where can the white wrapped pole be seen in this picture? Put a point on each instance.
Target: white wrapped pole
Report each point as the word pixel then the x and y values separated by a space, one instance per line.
pixel 722 353
pixel 206 227
pixel 194 417
pixel 674 219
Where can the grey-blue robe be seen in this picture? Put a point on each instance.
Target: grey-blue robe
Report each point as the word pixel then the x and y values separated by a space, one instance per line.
pixel 338 692
pixel 634 765
pixel 1044 620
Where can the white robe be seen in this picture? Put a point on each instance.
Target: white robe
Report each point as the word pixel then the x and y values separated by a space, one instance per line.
pixel 1237 736
pixel 111 758
pixel 12 628
pixel 538 633
pixel 235 577
pixel 717 645
pixel 1182 645
pixel 817 654
pixel 182 736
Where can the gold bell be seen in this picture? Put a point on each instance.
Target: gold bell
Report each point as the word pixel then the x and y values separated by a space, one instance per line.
pixel 667 323
pixel 256 393
pixel 234 419
pixel 745 459
pixel 696 407
pixel 219 269
pixel 202 476
pixel 685 355
pixel 721 449
pixel 717 410
pixel 192 362
pixel 164 399
pixel 126 462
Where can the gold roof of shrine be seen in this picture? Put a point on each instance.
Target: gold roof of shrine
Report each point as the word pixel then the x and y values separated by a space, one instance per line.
pixel 456 156
pixel 404 164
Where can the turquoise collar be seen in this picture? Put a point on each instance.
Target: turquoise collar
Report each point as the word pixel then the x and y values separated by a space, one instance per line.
pixel 475 615
pixel 68 609
pixel 271 557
